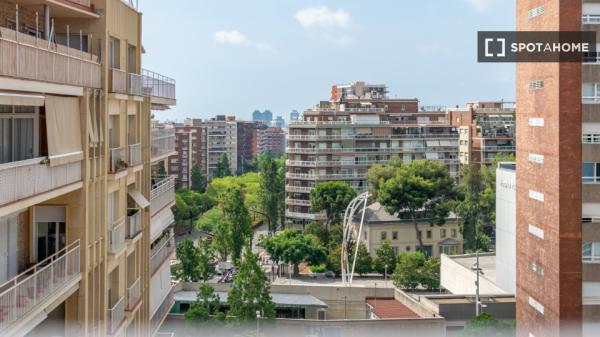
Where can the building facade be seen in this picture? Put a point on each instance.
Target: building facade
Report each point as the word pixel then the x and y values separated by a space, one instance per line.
pixel 190 145
pixel 342 138
pixel 247 141
pixel 75 169
pixel 272 141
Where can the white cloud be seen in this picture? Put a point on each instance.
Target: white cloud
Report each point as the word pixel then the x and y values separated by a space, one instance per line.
pixel 480 5
pixel 234 37
pixel 322 16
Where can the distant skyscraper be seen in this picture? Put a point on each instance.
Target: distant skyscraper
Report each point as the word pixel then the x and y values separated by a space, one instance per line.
pixel 278 122
pixel 266 117
pixel 294 115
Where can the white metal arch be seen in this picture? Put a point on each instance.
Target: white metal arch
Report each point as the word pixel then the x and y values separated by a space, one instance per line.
pixel 353 207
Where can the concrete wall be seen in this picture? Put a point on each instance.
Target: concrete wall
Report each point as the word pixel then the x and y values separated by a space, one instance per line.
pixel 461 281
pixel 506 223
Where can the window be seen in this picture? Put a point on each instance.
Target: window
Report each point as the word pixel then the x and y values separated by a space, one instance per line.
pixel 591 252
pixel 590 138
pixel 429 234
pixel 590 173
pixel 442 233
pixel 114 53
pixel 591 93
pixel 450 250
pixel 395 250
pixel 537 11
pixel 17 133
pixel 383 236
pixel 453 232
pixel 394 235
pixel 536 85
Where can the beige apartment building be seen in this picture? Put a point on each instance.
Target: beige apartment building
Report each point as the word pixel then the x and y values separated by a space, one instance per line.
pixel 77 206
pixel 340 139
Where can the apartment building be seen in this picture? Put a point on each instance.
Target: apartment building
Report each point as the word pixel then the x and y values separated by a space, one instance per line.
pixel 75 159
pixel 486 129
pixel 271 140
pixel 558 196
pixel 190 145
pixel 359 126
pixel 247 141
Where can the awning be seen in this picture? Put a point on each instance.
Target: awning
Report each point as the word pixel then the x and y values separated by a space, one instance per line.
pixel 139 198
pixel 63 128
pixel 21 99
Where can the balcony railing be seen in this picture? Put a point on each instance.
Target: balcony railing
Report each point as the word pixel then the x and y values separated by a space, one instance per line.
pixel 359 137
pixel 299 202
pixel 498 148
pixel 162 194
pixel 336 163
pixel 298 189
pixel 116 316
pixel 591 19
pixel 163 141
pixel 118 159
pixel 134 223
pixel 135 154
pixel 157 85
pixel 134 294
pixel 33 288
pixel 161 252
pixel 27 57
pixel 134 86
pixel 117 237
pixel 313 176
pixel 313 123
pixel 118 81
pixel 28 178
pixel 162 310
pixel 308 216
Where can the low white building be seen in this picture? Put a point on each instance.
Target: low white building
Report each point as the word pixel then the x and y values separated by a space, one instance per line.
pixel 506 225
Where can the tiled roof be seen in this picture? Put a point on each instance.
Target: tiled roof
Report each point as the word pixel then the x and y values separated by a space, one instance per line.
pixel 390 308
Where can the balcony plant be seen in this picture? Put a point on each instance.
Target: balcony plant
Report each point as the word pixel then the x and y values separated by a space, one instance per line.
pixel 120 165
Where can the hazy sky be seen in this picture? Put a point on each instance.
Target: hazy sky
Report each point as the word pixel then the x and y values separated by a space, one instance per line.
pixel 234 56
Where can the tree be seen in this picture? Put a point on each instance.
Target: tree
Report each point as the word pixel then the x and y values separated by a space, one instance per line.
pixel 271 190
pixel 430 274
pixel 206 257
pixel 220 239
pixel 237 218
pixel 485 325
pixel 293 247
pixel 319 231
pixel 187 253
pixel 421 189
pixel 471 208
pixel 198 179
pixel 181 210
pixel 250 290
pixel 408 270
pixel 385 256
pixel 378 174
pixel 207 303
pixel 364 262
pixel 334 259
pixel 332 197
pixel 223 169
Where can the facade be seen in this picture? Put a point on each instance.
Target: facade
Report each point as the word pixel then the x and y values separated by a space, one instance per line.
pixel 272 141
pixel 278 122
pixel 190 145
pixel 506 225
pixel 379 226
pixel 77 204
pixel 487 129
pixel 294 115
pixel 247 141
pixel 221 138
pixel 342 138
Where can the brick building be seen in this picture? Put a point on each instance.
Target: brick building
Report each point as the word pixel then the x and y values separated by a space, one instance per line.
pixel 271 140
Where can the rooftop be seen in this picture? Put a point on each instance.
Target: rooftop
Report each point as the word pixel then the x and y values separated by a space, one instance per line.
pixel 280 299
pixel 386 308
pixel 487 263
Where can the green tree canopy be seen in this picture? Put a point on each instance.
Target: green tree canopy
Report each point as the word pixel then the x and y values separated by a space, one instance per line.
pixel 223 169
pixel 415 269
pixel 471 208
pixel 385 256
pixel 291 246
pixel 332 197
pixel 272 190
pixel 237 217
pixel 379 174
pixel 364 262
pixel 250 290
pixel 198 179
pixel 189 257
pixel 422 188
pixel 485 325
pixel 207 304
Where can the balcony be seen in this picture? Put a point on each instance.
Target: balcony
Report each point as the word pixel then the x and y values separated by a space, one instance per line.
pixel 26 57
pixel 325 123
pixel 117 237
pixel 163 310
pixel 306 216
pixel 369 137
pixel 38 287
pixel 163 143
pixel 117 80
pixel 134 223
pixel 116 316
pixel 162 194
pixel 498 148
pixel 134 294
pixel 118 159
pixel 135 155
pixel 298 202
pixel 160 88
pixel 33 177
pixel 336 163
pixel 335 176
pixel 161 251
pixel 590 19
pixel 298 189
pixel 134 85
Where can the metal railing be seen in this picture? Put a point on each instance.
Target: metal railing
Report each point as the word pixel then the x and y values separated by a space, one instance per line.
pixel 161 252
pixel 301 202
pixel 117 159
pixel 134 223
pixel 117 237
pixel 116 315
pixel 336 163
pixel 41 178
pixel 162 194
pixel 314 176
pixel 29 57
pixel 135 154
pixel 299 123
pixel 359 137
pixel 134 86
pixel 33 287
pixel 309 216
pixel 118 81
pixel 157 85
pixel 498 148
pixel 162 310
pixel 134 294
pixel 298 189
pixel 163 141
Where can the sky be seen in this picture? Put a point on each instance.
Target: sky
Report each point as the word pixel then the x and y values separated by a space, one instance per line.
pixel 235 56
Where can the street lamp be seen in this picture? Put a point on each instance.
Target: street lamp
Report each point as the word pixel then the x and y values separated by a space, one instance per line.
pixel 257 323
pixel 478 272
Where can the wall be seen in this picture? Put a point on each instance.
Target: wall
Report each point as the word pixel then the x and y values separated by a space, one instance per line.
pixel 459 280
pixel 506 223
